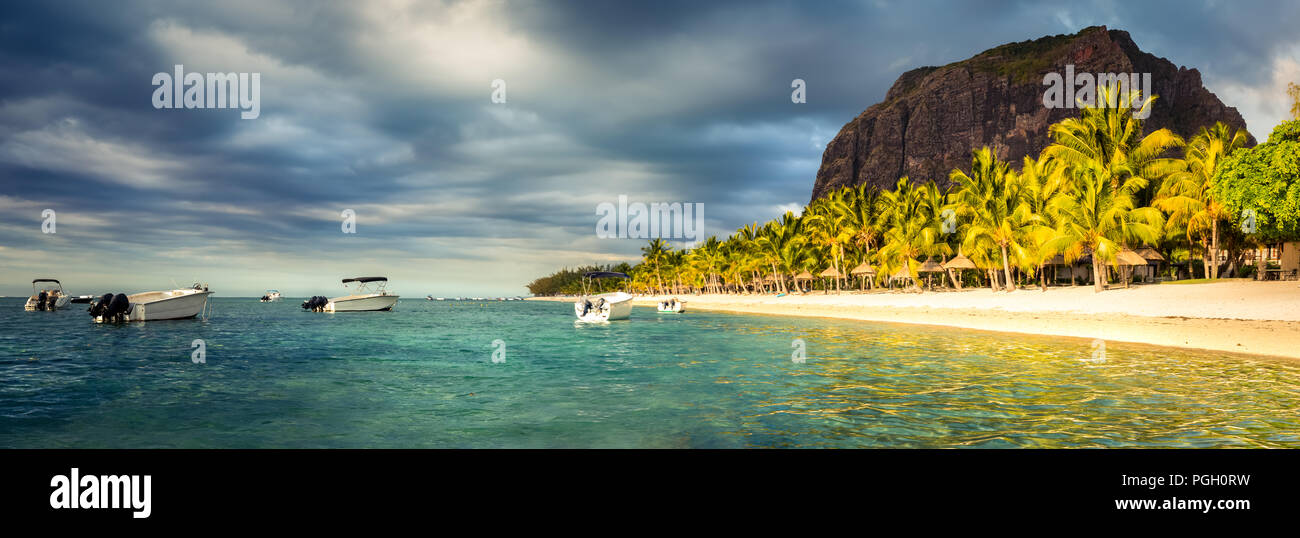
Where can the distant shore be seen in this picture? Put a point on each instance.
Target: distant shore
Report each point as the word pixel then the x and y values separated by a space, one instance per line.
pixel 1258 318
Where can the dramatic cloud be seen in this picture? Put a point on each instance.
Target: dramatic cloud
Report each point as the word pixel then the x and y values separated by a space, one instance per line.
pixel 385 108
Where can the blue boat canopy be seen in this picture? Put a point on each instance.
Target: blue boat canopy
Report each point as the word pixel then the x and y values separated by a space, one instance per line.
pixel 364 279
pixel 605 274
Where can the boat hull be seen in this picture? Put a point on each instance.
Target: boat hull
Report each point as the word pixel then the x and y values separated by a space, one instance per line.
pixel 60 303
pixel 165 305
pixel 366 303
pixel 177 307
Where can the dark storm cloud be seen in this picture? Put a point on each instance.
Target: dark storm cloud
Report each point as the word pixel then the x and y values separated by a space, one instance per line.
pixel 384 108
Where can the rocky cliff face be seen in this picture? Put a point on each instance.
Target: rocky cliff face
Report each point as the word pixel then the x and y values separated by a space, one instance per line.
pixel 933 117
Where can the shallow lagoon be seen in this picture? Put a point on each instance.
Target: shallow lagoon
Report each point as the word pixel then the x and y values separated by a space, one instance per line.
pixel 423 376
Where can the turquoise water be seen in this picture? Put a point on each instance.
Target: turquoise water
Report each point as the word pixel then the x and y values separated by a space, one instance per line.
pixel 423 376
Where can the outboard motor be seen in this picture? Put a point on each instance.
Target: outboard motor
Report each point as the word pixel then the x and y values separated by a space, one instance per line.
pixel 315 304
pixel 117 308
pixel 52 302
pixel 40 300
pixel 97 307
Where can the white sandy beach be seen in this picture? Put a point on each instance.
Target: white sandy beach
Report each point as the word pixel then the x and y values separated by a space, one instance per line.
pixel 1261 318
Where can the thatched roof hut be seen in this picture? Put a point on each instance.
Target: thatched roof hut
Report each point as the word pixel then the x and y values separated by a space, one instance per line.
pixel 1128 257
pixel 830 272
pixel 863 268
pixel 803 276
pixel 930 266
pixel 1150 254
pixel 960 262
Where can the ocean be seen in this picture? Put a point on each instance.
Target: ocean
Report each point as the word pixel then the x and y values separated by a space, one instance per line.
pixel 424 376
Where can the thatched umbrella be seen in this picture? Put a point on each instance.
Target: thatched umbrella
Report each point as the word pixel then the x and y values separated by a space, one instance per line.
pixel 802 276
pixel 830 272
pixel 864 271
pixel 902 273
pixel 960 263
pixel 863 268
pixel 930 266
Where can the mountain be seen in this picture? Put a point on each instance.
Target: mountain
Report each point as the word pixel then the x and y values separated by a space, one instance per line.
pixel 933 117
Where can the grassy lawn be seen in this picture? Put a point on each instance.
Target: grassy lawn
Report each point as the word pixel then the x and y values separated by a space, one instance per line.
pixel 1206 280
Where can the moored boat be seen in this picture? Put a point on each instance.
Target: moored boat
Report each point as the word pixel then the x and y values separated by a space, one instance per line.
pixel 180 303
pixel 51 298
pixel 362 300
pixel 672 306
pixel 604 306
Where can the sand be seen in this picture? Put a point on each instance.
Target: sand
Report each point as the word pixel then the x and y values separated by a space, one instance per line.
pixel 1258 318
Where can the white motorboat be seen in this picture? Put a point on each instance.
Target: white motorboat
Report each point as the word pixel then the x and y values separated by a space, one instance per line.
pixel 611 306
pixel 271 296
pixel 362 300
pixel 672 306
pixel 181 303
pixel 52 298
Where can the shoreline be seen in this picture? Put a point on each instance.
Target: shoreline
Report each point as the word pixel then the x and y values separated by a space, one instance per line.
pixel 1252 318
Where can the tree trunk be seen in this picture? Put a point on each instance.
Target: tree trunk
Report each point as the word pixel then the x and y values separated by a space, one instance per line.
pixel 1214 249
pixel 1098 274
pixel 1042 276
pixel 1006 266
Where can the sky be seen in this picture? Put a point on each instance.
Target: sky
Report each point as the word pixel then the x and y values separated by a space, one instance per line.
pixel 387 109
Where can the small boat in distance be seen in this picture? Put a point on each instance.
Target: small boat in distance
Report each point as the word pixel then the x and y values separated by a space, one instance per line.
pixel 48 298
pixel 271 296
pixel 180 303
pixel 672 306
pixel 605 306
pixel 83 299
pixel 362 300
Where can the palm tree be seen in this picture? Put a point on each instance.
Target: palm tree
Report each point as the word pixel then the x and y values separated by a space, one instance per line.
pixel 903 220
pixel 775 237
pixel 654 254
pixel 1044 188
pixel 826 225
pixel 1099 216
pixel 1185 194
pixel 1108 135
pixel 992 199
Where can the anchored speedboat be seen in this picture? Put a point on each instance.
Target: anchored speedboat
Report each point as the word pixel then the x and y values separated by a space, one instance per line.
pixel 179 303
pixel 271 296
pixel 52 298
pixel 605 306
pixel 360 300
pixel 672 306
